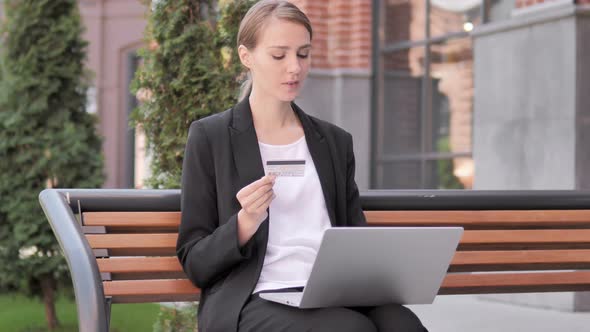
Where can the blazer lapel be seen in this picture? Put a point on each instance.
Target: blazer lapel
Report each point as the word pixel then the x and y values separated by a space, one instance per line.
pixel 249 162
pixel 245 145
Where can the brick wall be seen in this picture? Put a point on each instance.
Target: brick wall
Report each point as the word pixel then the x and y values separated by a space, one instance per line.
pixel 527 3
pixel 342 32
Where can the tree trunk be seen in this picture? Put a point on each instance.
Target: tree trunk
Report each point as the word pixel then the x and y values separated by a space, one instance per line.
pixel 47 286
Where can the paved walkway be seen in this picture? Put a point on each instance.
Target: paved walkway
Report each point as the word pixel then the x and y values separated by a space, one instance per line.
pixel 467 313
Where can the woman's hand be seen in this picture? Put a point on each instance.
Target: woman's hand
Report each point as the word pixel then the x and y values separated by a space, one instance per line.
pixel 255 199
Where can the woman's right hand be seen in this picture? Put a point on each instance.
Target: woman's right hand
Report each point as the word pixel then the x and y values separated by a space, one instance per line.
pixel 255 199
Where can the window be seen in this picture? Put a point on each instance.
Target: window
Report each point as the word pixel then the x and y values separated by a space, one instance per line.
pixel 423 93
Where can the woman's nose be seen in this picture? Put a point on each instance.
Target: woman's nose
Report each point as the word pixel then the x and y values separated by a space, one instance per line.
pixel 294 66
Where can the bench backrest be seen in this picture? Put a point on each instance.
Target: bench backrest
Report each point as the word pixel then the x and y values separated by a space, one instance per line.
pixel 119 243
pixel 510 251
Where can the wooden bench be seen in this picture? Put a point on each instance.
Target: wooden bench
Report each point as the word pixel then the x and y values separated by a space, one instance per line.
pixel 120 244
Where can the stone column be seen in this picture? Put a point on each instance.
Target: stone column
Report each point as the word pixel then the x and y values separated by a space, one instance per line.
pixel 532 110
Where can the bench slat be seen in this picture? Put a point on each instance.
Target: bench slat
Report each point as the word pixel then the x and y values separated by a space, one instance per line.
pixel 490 239
pixel 464 261
pixel 132 219
pixel 139 264
pixel 515 282
pixel 482 219
pixel 473 261
pixel 467 219
pixel 155 298
pixel 526 239
pixel 166 251
pixel 136 291
pixel 452 284
pixel 132 241
pixel 149 287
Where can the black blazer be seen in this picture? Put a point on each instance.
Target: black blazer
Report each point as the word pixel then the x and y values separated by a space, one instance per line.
pixel 221 157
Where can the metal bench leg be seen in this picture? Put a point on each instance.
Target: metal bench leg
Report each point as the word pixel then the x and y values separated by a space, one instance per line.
pixel 108 302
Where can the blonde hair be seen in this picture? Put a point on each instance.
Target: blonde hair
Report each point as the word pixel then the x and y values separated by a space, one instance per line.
pixel 254 21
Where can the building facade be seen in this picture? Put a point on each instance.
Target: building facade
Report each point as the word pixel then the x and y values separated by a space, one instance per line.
pixel 420 85
pixel 483 94
pixel 115 31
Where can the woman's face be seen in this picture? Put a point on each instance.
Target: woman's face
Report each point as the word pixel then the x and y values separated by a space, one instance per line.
pixel 280 61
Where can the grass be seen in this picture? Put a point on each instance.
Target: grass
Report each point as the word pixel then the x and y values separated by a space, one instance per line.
pixel 20 314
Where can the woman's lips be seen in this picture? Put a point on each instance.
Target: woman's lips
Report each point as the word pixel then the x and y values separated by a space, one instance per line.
pixel 292 84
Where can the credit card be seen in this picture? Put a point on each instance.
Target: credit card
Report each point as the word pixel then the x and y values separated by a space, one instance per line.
pixel 285 167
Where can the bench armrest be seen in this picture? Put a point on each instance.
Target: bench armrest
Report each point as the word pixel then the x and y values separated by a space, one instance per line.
pixel 86 278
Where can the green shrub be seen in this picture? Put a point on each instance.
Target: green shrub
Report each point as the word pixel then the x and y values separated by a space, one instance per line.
pixel 177 318
pixel 47 139
pixel 190 70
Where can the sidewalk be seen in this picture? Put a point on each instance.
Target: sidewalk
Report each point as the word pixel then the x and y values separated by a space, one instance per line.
pixel 468 313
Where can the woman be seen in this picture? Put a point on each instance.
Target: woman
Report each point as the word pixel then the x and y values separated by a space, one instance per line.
pixel 243 232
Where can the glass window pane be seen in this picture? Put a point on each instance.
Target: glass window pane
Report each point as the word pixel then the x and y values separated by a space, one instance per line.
pixel 400 115
pixel 451 173
pixel 451 70
pixel 399 175
pixel 499 10
pixel 451 16
pixel 403 20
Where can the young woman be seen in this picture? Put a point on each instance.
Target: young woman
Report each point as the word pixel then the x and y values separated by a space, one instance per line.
pixel 244 232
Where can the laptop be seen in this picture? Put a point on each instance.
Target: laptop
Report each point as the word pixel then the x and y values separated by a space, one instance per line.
pixel 372 266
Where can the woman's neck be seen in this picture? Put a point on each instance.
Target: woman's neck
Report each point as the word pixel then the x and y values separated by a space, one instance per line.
pixel 270 114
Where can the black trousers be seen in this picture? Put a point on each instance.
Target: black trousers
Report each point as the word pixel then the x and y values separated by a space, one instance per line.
pixel 260 315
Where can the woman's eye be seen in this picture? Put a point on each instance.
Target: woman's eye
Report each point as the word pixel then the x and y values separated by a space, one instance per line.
pixel 302 56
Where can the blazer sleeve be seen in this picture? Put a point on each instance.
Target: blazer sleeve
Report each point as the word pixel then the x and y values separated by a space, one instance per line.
pixel 206 250
pixel 354 211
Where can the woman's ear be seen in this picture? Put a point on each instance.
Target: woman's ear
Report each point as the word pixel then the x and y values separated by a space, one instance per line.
pixel 245 56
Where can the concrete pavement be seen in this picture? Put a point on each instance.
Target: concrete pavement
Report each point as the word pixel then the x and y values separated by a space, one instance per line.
pixel 460 313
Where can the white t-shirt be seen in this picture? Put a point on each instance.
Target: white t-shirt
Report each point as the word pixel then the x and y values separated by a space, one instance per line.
pixel 298 218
